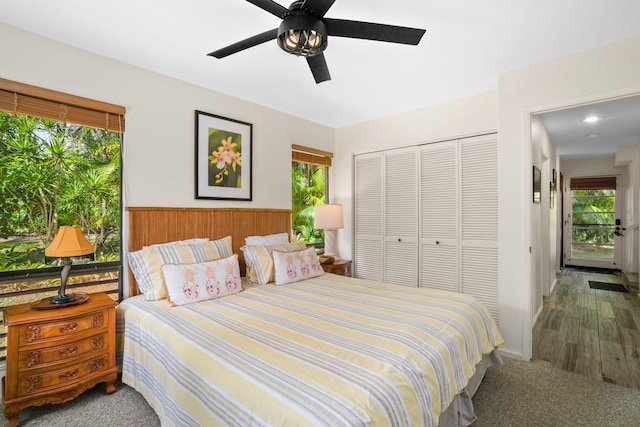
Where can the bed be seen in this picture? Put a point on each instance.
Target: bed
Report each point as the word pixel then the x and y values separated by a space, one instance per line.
pixel 324 350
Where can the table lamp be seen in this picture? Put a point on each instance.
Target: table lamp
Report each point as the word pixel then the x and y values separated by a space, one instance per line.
pixel 329 218
pixel 68 243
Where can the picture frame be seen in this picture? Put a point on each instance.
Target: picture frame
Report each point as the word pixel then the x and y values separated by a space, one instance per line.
pixel 537 185
pixel 552 195
pixel 223 157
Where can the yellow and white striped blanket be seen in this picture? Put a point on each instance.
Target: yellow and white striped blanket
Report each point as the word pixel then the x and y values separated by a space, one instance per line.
pixel 328 351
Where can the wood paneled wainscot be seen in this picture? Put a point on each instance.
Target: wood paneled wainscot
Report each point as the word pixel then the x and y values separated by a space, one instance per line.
pixel 151 225
pixel 54 355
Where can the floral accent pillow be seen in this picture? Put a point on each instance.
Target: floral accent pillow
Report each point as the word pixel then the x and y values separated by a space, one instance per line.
pixel 146 264
pixel 187 283
pixel 259 261
pixel 295 266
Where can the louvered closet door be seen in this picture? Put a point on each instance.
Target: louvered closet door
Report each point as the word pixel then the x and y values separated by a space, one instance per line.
pixel 401 217
pixel 479 219
pixel 439 216
pixel 368 189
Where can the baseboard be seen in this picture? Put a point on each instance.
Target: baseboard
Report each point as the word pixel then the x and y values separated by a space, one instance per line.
pixel 511 355
pixel 553 285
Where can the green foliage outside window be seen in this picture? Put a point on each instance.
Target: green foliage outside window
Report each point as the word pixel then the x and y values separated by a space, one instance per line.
pixel 53 174
pixel 593 216
pixel 308 189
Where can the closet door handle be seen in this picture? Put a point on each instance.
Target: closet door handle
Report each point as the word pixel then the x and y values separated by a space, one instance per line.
pixel 399 240
pixel 437 242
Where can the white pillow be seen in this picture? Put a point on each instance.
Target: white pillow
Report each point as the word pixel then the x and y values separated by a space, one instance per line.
pixel 295 266
pixel 187 283
pixel 271 239
pixel 181 242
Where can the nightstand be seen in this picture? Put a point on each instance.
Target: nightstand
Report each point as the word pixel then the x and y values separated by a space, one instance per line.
pixel 341 267
pixel 54 355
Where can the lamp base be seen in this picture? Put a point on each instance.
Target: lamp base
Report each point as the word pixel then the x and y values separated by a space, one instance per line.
pixel 63 299
pixel 47 303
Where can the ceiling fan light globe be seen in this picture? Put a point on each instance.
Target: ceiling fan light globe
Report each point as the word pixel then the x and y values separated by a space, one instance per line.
pixel 302 35
pixel 315 39
pixel 291 39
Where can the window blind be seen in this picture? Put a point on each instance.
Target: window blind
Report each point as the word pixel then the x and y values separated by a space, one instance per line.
pixel 34 101
pixel 596 183
pixel 310 156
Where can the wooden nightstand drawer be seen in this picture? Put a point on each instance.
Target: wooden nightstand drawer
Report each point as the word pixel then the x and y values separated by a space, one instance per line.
pixel 29 384
pixel 34 334
pixel 34 359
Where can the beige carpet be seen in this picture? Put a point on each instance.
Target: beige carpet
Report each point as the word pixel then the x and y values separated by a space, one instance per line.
pixel 515 394
pixel 527 394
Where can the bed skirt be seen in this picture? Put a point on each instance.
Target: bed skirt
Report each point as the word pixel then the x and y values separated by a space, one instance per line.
pixel 460 412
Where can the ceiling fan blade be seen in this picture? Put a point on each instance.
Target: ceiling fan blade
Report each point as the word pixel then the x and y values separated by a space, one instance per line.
pixel 271 7
pixel 319 68
pixel 373 31
pixel 318 7
pixel 245 44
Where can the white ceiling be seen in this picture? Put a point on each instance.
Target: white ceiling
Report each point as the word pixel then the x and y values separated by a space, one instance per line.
pixel 468 43
pixel 619 125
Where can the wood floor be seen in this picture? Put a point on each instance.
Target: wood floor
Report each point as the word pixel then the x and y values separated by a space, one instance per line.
pixel 591 332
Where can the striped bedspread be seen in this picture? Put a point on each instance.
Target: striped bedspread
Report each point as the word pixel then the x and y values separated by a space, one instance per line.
pixel 328 351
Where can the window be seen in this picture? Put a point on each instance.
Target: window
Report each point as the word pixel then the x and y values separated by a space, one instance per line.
pixel 309 187
pixel 61 165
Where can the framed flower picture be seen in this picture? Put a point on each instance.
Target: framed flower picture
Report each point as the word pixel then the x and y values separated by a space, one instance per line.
pixel 223 157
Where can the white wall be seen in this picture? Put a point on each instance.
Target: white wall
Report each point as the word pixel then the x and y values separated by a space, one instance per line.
pixel 635 220
pixel 590 76
pixel 591 167
pixel 586 77
pixel 544 217
pixel 159 137
pixel 628 158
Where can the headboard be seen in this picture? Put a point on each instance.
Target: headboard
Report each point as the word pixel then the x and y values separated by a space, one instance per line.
pixel 149 225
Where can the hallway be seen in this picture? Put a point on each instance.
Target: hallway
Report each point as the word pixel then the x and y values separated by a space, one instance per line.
pixel 591 332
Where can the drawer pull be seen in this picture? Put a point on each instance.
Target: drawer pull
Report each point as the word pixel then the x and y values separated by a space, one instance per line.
pixel 97 343
pixel 66 352
pixel 33 333
pixel 68 375
pixel 98 321
pixel 33 383
pixel 32 359
pixel 97 364
pixel 68 328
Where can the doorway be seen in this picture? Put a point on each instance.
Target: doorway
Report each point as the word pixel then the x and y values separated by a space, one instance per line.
pixel 592 222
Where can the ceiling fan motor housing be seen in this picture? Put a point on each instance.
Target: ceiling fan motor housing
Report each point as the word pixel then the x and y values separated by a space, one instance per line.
pixel 304 31
pixel 302 34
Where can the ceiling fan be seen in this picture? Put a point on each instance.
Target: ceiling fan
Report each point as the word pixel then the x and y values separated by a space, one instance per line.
pixel 304 31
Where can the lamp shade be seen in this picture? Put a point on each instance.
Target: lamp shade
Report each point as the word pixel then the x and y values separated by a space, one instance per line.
pixel 329 217
pixel 69 242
